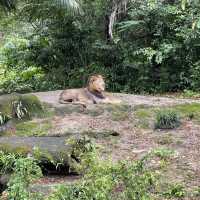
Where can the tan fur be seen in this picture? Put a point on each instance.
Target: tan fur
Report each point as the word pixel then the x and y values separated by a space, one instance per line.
pixel 93 93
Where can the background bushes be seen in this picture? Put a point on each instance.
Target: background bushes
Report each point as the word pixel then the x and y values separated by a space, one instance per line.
pixel 155 48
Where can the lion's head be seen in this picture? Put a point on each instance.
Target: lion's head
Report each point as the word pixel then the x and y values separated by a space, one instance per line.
pixel 96 84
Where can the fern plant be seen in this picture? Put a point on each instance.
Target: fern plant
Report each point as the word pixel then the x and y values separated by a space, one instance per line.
pixel 19 110
pixel 11 4
pixel 3 118
pixel 167 119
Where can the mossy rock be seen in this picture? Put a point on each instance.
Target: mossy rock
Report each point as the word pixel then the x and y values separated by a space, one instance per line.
pixel 119 112
pixel 45 147
pixel 30 102
pixel 31 128
pixel 18 150
pixel 101 134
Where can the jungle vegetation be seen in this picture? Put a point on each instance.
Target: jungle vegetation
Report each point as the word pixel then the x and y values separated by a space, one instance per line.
pixel 149 46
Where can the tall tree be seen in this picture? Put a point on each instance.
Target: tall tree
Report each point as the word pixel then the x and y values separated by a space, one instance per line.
pixel 116 8
pixel 9 5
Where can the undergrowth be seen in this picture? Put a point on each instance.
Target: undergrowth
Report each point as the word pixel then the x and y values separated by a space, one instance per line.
pixel 167 119
pixel 101 179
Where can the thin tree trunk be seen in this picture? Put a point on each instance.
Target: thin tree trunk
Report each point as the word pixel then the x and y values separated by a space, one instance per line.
pixel 117 6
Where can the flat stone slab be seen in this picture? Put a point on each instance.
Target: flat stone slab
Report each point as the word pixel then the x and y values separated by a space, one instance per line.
pixel 49 144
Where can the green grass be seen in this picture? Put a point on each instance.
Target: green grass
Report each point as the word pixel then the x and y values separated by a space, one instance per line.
pixel 163 153
pixel 175 191
pixel 190 94
pixel 187 109
pixel 143 113
pixel 33 128
pixel 143 117
pixel 21 151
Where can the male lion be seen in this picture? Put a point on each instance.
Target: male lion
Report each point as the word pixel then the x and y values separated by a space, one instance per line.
pixel 92 94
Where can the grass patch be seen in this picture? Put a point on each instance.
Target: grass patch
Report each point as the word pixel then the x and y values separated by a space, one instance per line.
pixel 141 113
pixel 21 151
pixel 188 110
pixel 33 128
pixel 163 153
pixel 119 116
pixel 167 119
pixel 118 112
pixel 143 117
pixel 165 139
pixel 101 134
pixel 175 191
pixel 190 94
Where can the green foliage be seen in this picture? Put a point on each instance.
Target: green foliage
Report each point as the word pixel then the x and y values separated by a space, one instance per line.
pixel 163 153
pixel 21 106
pixel 19 74
pixel 190 94
pixel 107 181
pixel 167 119
pixel 62 49
pixel 196 192
pixel 33 128
pixel 7 162
pixel 3 118
pixel 26 170
pixel 175 190
pixel 161 31
pixel 81 154
pixel 19 110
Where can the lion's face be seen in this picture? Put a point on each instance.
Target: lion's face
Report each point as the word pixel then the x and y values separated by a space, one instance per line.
pixel 96 83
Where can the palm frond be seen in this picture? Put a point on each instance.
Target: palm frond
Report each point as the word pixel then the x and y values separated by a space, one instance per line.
pixel 70 4
pixel 8 4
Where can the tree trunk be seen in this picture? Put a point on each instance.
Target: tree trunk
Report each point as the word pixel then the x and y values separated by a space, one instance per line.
pixel 116 7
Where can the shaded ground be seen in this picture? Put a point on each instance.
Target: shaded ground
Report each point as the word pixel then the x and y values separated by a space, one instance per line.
pixel 134 122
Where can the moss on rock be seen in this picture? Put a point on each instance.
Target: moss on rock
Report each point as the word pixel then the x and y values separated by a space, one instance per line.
pixel 29 102
pixel 30 128
pixel 18 150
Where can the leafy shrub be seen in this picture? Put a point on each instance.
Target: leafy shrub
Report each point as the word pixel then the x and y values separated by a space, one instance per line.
pixel 106 181
pixel 61 51
pixel 167 119
pixel 82 153
pixel 7 162
pixel 26 170
pixel 195 73
pixel 23 172
pixel 175 190
pixel 3 118
pixel 163 153
pixel 19 110
pixel 190 93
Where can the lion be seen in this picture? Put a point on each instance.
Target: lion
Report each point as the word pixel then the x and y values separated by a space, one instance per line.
pixel 94 93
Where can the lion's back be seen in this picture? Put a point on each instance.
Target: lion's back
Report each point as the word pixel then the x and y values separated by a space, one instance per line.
pixel 73 94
